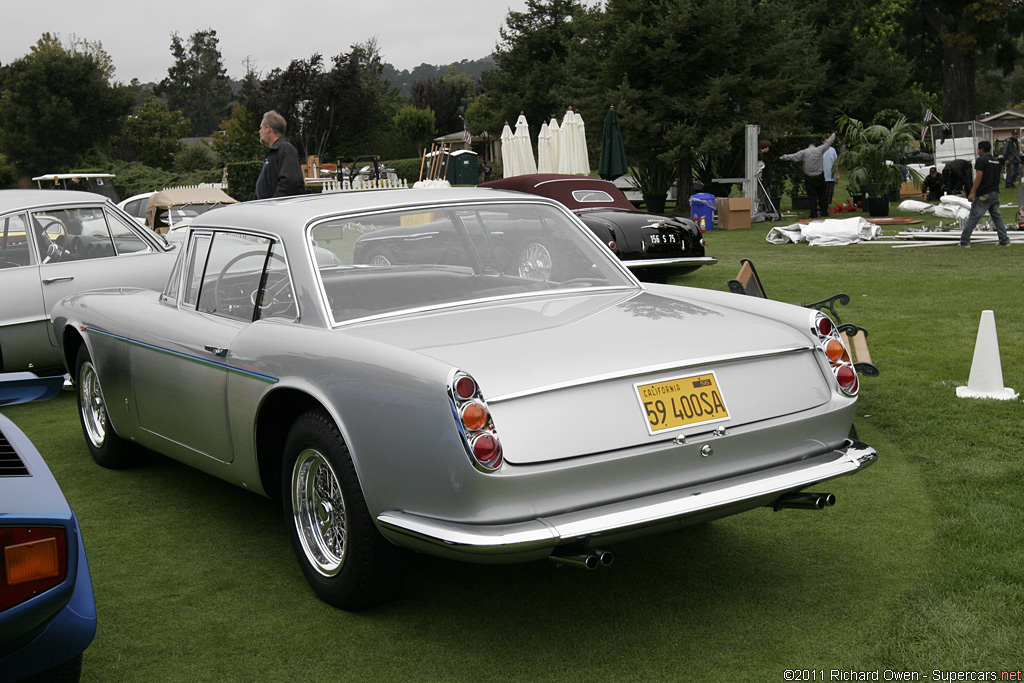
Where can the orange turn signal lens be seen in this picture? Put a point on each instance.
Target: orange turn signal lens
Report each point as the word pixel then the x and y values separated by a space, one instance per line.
pixel 474 416
pixel 32 561
pixel 835 350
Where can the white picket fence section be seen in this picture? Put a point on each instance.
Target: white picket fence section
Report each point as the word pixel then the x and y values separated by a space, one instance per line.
pixel 363 184
pixel 210 186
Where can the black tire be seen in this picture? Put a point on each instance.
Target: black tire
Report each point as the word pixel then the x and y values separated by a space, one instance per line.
pixel 106 447
pixel 344 558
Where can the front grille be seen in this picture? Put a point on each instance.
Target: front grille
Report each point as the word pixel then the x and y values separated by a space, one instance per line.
pixel 11 464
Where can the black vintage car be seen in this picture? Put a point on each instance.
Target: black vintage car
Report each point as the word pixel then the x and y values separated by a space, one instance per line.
pixel 652 246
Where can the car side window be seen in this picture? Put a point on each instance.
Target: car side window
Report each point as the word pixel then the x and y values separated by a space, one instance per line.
pixel 126 241
pixel 238 276
pixel 137 208
pixel 14 243
pixel 82 233
pixel 197 256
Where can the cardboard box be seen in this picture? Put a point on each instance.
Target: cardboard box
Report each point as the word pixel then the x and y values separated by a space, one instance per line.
pixel 733 213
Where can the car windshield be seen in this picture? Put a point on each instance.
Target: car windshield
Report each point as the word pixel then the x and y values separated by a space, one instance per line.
pixel 414 258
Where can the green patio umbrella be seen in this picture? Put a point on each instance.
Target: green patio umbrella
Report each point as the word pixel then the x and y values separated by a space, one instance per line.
pixel 613 151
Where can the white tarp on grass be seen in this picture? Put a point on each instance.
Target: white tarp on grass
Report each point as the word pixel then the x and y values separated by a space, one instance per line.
pixel 831 232
pixel 949 206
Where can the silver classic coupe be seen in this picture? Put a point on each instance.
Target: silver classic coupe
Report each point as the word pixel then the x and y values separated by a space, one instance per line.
pixel 462 403
pixel 54 243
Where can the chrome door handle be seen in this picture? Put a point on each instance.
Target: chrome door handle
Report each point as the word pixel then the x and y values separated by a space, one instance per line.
pixel 216 350
pixel 51 280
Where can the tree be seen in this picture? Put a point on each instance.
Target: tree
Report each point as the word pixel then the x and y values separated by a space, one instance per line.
pixel 197 83
pixel 238 138
pixel 447 96
pixel 686 81
pixel 324 109
pixel 415 125
pixel 151 133
pixel 378 134
pixel 534 61
pixel 57 104
pixel 957 34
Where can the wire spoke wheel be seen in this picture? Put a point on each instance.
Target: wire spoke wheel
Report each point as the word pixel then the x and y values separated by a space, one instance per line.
pixel 535 262
pixel 94 410
pixel 319 512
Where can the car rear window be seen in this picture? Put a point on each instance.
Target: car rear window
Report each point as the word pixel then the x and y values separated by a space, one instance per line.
pixel 383 262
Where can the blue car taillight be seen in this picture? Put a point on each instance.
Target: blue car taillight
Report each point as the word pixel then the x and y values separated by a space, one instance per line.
pixel 32 560
pixel 839 360
pixel 474 422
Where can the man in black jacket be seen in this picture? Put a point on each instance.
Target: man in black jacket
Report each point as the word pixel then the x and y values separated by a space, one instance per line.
pixel 281 174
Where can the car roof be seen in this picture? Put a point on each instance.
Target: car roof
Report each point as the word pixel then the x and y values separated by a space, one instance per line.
pixel 273 214
pixel 565 189
pixel 12 200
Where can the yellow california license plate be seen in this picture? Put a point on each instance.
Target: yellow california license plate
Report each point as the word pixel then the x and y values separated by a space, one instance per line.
pixel 681 402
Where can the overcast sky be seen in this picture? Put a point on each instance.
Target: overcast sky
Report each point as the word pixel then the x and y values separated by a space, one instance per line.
pixel 137 33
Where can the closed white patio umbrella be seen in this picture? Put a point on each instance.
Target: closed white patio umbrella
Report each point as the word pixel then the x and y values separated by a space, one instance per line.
pixel 509 160
pixel 524 147
pixel 582 160
pixel 547 155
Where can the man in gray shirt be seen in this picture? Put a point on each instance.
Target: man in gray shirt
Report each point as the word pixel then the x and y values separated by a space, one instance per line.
pixel 814 174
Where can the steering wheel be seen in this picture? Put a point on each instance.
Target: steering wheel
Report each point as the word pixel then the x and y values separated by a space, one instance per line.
pixel 277 295
pixel 53 235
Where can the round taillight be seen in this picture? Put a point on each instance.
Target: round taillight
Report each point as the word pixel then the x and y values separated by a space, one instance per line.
pixel 824 326
pixel 465 388
pixel 835 350
pixel 474 416
pixel 611 245
pixel 486 450
pixel 847 377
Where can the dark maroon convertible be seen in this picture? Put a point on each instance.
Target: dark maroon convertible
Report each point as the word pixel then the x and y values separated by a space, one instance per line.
pixel 653 247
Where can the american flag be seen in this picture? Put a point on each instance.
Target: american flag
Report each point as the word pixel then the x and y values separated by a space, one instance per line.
pixel 467 137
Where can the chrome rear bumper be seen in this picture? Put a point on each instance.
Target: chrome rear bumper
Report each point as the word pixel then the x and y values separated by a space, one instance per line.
pixel 671 262
pixel 536 538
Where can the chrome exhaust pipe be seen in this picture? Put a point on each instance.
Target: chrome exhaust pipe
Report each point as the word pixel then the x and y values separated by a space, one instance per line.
pixel 581 558
pixel 804 500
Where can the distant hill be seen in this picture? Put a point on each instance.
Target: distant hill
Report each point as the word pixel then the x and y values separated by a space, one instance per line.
pixel 404 79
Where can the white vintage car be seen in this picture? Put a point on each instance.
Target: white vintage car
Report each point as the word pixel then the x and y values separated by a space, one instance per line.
pixel 461 403
pixel 57 242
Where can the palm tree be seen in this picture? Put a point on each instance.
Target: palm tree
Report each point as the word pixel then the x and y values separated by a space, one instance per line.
pixel 873 156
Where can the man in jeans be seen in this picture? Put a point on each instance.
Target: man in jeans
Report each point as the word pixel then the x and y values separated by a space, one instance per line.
pixel 984 196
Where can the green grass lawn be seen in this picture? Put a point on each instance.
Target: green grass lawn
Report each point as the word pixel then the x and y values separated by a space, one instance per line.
pixel 919 566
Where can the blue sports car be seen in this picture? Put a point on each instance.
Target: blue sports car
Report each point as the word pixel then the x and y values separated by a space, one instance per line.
pixel 47 610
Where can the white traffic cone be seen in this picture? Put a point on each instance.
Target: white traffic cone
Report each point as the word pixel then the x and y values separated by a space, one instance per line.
pixel 986 380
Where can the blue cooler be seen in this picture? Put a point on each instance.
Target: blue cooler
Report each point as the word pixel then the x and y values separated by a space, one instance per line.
pixel 702 210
